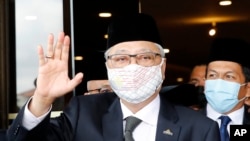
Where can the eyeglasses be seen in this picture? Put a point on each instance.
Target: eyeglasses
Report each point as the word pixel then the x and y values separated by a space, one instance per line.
pixel 100 90
pixel 144 59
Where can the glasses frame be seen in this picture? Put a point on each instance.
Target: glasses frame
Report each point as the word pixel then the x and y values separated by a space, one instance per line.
pixel 133 55
pixel 100 90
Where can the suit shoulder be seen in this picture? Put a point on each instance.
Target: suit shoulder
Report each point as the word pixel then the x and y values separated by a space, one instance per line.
pixel 188 113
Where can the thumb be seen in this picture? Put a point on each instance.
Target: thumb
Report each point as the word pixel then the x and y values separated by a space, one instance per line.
pixel 75 81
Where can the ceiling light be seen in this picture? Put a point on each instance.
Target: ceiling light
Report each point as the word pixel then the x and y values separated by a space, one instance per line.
pixel 78 58
pixel 166 50
pixel 225 2
pixel 179 79
pixel 106 36
pixel 212 31
pixel 105 14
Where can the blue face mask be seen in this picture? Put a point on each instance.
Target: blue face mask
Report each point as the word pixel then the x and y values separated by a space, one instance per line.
pixel 222 95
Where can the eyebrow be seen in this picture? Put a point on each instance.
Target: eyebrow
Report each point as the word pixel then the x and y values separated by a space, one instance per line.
pixel 229 71
pixel 210 70
pixel 94 90
pixel 194 79
pixel 126 51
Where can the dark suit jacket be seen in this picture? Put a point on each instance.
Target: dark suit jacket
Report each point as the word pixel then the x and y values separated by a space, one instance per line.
pixel 99 118
pixel 3 136
pixel 246 119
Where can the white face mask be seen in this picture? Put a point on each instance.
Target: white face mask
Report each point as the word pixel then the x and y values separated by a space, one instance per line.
pixel 135 83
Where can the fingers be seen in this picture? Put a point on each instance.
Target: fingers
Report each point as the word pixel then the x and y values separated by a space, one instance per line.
pixel 40 55
pixel 65 49
pixel 59 46
pixel 60 50
pixel 50 51
pixel 50 48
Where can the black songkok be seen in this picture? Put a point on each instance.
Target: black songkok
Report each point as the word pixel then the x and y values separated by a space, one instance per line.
pixel 230 49
pixel 137 27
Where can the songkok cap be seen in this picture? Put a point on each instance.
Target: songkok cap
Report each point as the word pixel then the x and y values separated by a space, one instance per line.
pixel 134 27
pixel 230 49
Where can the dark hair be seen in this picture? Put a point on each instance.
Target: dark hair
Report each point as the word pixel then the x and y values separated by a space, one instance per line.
pixel 34 82
pixel 246 72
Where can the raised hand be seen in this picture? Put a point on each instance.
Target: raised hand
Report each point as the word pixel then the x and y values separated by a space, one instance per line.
pixel 53 80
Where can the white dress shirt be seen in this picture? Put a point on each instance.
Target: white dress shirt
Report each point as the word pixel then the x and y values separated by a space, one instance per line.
pixel 236 116
pixel 146 130
pixel 29 120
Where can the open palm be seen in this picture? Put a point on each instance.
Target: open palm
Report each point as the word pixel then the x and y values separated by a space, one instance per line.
pixel 53 79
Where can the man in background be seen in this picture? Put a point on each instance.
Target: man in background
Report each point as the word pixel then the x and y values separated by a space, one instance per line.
pixel 98 86
pixel 197 76
pixel 227 86
pixel 190 94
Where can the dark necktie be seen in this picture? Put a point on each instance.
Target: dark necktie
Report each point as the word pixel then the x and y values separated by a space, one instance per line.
pixel 223 128
pixel 131 123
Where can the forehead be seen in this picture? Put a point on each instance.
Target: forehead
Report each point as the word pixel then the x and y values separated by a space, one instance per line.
pixel 96 84
pixel 134 47
pixel 199 70
pixel 224 67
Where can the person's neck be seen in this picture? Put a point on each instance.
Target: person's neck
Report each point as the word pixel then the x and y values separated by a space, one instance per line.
pixel 134 108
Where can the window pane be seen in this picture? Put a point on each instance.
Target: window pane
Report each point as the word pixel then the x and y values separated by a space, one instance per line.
pixel 35 19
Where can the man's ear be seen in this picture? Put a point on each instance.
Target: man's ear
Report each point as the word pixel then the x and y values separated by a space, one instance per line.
pixel 163 68
pixel 247 100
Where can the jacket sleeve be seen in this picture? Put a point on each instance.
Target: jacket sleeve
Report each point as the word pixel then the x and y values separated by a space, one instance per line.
pixel 50 129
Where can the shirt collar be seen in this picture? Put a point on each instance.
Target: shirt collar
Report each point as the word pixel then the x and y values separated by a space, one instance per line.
pixel 148 114
pixel 235 116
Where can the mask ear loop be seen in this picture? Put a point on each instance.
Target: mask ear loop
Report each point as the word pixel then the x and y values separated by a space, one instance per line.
pixel 246 97
pixel 244 84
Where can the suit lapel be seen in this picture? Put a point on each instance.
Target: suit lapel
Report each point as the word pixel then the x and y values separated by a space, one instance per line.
pixel 113 123
pixel 167 129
